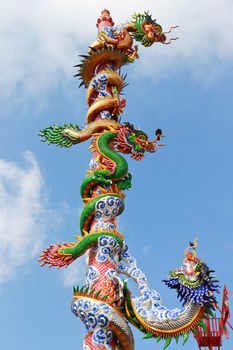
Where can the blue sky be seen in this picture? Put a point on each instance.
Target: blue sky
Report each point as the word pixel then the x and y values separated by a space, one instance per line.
pixel 183 191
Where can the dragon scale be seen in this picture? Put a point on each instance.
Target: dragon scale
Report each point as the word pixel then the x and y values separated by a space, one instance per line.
pixel 105 303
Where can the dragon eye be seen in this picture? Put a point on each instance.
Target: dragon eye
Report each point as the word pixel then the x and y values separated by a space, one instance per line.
pixel 158 28
pixel 142 137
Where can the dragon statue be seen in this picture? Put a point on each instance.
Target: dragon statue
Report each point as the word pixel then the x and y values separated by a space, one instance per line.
pixel 105 303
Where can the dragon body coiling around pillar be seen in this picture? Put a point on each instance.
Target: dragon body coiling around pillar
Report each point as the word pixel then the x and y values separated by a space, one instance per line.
pixel 105 303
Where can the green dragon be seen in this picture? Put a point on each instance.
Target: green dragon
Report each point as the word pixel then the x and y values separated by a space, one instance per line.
pixel 108 176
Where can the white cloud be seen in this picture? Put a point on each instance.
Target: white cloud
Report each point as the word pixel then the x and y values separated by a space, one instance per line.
pixel 145 249
pixel 22 210
pixel 74 274
pixel 39 40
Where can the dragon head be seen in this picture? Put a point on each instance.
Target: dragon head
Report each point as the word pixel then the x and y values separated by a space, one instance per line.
pixel 147 30
pixel 194 280
pixel 135 142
